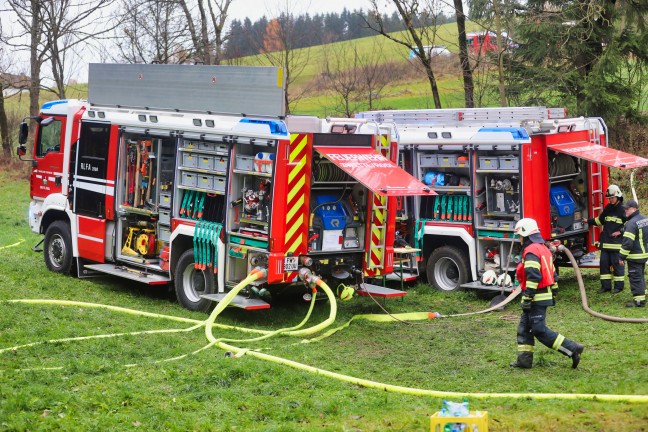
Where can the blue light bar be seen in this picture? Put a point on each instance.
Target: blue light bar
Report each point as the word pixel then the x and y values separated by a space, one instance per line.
pixel 516 133
pixel 276 127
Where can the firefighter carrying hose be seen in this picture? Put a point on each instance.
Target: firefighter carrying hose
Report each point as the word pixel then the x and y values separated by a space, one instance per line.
pixel 536 274
pixel 611 219
pixel 635 250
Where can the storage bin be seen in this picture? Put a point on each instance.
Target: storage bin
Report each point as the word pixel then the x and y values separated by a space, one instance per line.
pixel 165 199
pixel 462 161
pixel 165 217
pixel 491 223
pixel 488 162
pixel 164 233
pixel 219 184
pixel 429 160
pixel 508 162
pixel 477 421
pixel 189 160
pixel 447 160
pixel 507 224
pixel 220 164
pixel 208 146
pixel 190 145
pixel 188 179
pixel 205 181
pixel 206 162
pixel 244 163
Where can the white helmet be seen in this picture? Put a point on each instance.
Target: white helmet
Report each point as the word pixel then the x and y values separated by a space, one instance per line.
pixel 526 226
pixel 504 280
pixel 489 277
pixel 613 191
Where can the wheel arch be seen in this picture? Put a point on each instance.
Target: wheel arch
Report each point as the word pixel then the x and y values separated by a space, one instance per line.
pixel 436 236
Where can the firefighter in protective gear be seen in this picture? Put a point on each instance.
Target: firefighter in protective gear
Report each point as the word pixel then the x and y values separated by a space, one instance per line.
pixel 536 274
pixel 611 219
pixel 634 250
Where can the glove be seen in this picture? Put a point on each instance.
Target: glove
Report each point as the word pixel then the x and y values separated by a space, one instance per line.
pixel 526 303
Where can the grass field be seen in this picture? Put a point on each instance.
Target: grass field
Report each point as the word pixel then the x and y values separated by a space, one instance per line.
pixel 89 385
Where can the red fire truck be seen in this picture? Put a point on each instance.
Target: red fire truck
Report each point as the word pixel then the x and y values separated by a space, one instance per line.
pixel 491 167
pixel 192 175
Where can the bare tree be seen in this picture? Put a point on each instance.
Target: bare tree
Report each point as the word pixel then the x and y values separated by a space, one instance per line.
pixel 207 28
pixel 469 86
pixel 342 74
pixel 375 73
pixel 152 31
pixel 279 48
pixel 10 86
pixel 419 19
pixel 49 30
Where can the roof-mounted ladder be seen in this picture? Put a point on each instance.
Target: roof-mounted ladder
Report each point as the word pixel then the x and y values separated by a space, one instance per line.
pixel 465 115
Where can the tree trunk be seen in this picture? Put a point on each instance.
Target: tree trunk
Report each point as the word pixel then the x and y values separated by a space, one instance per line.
pixel 500 53
pixel 35 62
pixel 469 86
pixel 433 83
pixel 4 129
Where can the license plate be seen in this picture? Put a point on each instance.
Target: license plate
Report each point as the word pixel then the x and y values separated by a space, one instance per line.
pixel 290 264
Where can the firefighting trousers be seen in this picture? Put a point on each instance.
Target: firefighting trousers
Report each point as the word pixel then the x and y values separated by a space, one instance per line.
pixel 533 326
pixel 637 280
pixel 610 261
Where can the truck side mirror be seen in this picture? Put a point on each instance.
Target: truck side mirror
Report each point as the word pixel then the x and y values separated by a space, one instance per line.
pixel 22 150
pixel 23 132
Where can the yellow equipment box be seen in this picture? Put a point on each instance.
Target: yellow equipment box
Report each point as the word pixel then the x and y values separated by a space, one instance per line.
pixel 477 421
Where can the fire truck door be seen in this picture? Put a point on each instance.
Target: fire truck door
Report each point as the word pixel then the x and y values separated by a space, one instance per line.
pixel 92 186
pixel 47 175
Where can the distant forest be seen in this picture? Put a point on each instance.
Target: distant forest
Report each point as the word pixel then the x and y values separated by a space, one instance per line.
pixel 247 37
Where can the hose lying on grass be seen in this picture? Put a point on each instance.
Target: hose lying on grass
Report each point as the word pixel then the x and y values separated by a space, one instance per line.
pixel 314 281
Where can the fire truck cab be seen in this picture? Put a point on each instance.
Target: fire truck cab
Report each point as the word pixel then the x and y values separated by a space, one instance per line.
pixel 192 175
pixel 491 167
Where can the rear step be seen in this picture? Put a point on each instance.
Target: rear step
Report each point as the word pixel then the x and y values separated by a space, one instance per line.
pixel 239 301
pixel 132 273
pixel 378 291
pixel 480 286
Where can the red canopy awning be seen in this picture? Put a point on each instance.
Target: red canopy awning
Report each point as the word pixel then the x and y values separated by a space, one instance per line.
pixel 373 170
pixel 600 154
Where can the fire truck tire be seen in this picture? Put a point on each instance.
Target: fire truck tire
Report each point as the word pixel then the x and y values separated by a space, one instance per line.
pixel 191 283
pixel 57 249
pixel 447 268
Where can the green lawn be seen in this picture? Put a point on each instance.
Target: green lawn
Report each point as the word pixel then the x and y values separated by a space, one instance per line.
pixel 87 385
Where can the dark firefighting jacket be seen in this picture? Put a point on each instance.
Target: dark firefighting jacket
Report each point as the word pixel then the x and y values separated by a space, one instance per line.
pixel 635 239
pixel 611 219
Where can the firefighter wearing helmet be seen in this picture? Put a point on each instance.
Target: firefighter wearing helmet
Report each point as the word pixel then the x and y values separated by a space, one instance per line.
pixel 537 277
pixel 611 219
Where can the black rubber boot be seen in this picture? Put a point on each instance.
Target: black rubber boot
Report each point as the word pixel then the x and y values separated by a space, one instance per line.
pixel 576 356
pixel 636 304
pixel 524 361
pixel 603 290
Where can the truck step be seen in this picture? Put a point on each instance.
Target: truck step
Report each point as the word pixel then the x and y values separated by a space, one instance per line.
pixel 407 277
pixel 481 286
pixel 378 291
pixel 132 273
pixel 239 301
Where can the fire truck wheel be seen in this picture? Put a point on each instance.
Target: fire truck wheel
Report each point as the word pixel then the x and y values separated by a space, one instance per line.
pixel 191 283
pixel 58 247
pixel 447 268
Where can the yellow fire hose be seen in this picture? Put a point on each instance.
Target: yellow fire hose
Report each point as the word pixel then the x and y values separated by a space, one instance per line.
pixel 316 281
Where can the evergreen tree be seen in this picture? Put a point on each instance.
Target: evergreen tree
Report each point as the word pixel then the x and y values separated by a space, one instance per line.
pixel 578 53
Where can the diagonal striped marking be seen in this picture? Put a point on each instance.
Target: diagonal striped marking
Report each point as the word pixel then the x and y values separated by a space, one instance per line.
pixel 297 188
pixel 295 226
pixel 300 142
pixel 296 244
pixel 295 208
